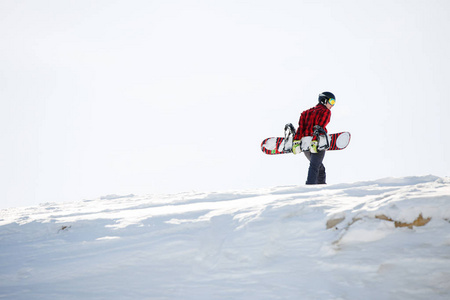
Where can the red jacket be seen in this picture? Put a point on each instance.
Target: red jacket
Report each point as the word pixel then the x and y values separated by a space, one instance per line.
pixel 317 115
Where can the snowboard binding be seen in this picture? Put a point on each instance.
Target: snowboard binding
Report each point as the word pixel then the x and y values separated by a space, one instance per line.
pixel 318 133
pixel 289 133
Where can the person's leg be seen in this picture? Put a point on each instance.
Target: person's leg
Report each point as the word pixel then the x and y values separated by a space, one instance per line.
pixel 316 171
pixel 322 176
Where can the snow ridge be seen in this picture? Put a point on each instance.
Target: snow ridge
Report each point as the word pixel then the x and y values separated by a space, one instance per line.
pixel 296 242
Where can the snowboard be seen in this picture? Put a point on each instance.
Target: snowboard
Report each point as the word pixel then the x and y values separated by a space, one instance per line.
pixel 329 142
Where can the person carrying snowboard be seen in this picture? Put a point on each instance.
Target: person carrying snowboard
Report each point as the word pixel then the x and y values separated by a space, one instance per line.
pixel 313 122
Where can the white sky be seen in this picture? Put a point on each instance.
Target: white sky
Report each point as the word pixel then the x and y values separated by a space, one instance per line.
pixel 120 97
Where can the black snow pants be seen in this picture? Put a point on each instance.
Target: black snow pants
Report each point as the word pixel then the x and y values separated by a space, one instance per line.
pixel 316 171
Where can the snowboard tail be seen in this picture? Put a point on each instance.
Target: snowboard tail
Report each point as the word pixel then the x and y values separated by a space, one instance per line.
pixel 274 145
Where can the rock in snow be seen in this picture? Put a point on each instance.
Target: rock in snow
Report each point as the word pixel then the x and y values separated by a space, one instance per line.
pixel 383 239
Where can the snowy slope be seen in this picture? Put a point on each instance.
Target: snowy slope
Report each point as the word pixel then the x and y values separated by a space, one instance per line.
pixel 256 244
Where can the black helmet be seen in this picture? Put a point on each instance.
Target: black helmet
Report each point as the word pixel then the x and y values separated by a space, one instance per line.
pixel 325 96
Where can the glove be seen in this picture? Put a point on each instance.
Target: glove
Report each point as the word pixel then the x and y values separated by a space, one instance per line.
pixel 313 147
pixel 296 149
pixel 318 130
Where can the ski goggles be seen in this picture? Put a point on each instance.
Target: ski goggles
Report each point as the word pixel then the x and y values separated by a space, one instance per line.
pixel 332 101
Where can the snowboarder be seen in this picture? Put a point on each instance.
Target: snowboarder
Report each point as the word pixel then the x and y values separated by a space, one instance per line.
pixel 312 123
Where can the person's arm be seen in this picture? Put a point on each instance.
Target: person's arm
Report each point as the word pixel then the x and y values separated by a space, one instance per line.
pixel 324 119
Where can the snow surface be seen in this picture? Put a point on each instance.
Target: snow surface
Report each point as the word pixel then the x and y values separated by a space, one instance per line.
pixel 254 244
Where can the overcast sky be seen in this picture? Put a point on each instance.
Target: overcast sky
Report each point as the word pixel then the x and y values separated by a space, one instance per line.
pixel 120 97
